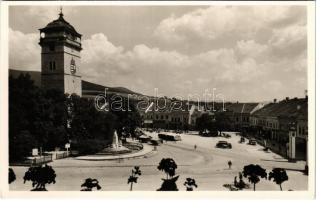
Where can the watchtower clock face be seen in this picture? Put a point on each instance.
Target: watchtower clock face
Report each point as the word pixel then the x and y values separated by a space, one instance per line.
pixel 72 66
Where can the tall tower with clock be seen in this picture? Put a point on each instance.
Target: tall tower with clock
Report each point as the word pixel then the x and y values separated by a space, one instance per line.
pixel 60 56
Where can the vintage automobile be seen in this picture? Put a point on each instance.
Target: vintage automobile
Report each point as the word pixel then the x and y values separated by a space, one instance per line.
pixel 169 137
pixel 242 139
pixel 144 138
pixel 223 145
pixel 252 142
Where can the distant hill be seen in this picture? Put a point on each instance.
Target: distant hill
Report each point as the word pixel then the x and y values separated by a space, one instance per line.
pixel 86 85
pixel 35 75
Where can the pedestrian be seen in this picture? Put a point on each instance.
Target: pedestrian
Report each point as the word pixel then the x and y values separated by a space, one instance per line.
pixel 229 164
pixel 195 147
pixel 235 181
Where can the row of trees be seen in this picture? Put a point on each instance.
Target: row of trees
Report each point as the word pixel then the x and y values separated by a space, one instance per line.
pixel 38 118
pixel 254 173
pixel 42 175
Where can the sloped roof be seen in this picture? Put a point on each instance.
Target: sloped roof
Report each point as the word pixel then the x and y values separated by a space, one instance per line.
pixel 241 107
pixel 60 23
pixel 286 108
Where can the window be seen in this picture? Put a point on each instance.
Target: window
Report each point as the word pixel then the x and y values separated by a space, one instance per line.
pixel 52 66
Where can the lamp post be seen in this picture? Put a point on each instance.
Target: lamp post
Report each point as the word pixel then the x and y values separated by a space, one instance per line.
pixel 292 143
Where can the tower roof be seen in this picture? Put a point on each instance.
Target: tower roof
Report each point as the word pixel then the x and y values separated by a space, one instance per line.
pixel 60 24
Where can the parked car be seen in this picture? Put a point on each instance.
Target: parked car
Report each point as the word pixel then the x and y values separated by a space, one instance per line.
pixel 155 142
pixel 144 138
pixel 223 145
pixel 207 133
pixel 226 135
pixel 170 137
pixel 242 139
pixel 252 142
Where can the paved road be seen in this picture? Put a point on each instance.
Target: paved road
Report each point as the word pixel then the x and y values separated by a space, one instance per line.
pixel 207 165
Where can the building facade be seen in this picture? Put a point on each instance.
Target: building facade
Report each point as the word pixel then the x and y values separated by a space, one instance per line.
pixel 273 122
pixel 183 118
pixel 239 115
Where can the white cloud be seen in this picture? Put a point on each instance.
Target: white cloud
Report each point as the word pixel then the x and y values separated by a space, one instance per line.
pixel 289 38
pixel 223 21
pixel 253 64
pixel 24 51
pixel 251 49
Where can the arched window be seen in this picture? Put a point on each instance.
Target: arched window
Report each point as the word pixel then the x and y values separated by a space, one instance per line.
pixel 52 66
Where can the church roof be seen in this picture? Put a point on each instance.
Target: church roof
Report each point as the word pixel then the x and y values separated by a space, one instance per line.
pixel 60 23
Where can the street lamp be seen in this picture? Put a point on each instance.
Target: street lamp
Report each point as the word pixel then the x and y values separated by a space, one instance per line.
pixel 292 144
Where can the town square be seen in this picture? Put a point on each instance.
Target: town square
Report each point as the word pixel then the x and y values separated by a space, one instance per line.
pixel 158 98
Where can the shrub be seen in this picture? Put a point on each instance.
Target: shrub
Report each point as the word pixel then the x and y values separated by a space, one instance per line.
pixel 40 176
pixel 12 176
pixel 89 146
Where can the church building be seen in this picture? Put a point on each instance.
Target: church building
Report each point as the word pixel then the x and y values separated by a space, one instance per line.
pixel 60 57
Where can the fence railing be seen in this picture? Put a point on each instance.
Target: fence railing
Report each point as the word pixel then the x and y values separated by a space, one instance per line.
pixel 40 160
pixel 62 155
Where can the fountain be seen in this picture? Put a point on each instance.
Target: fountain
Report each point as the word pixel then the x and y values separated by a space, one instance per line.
pixel 116 151
pixel 115 148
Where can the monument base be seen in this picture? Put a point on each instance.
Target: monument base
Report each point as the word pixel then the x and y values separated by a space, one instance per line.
pixel 114 151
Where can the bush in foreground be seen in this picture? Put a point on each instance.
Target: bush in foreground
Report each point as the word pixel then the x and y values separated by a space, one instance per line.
pixel 40 176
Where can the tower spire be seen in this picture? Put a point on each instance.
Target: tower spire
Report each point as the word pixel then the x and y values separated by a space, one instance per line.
pixel 61 12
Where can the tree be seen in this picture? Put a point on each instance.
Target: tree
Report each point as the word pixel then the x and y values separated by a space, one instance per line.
pixel 206 122
pixel 20 145
pixel 40 176
pixel 127 115
pixel 222 121
pixel 134 176
pixel 254 173
pixel 12 176
pixel 278 175
pixel 169 184
pixel 91 130
pixel 88 122
pixel 22 98
pixel 189 183
pixel 36 117
pixel 89 184
pixel 169 166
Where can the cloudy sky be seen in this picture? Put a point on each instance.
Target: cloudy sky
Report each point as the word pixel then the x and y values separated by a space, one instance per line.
pixel 248 53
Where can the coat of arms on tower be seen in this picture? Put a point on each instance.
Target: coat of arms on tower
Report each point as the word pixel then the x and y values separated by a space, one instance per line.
pixel 72 66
